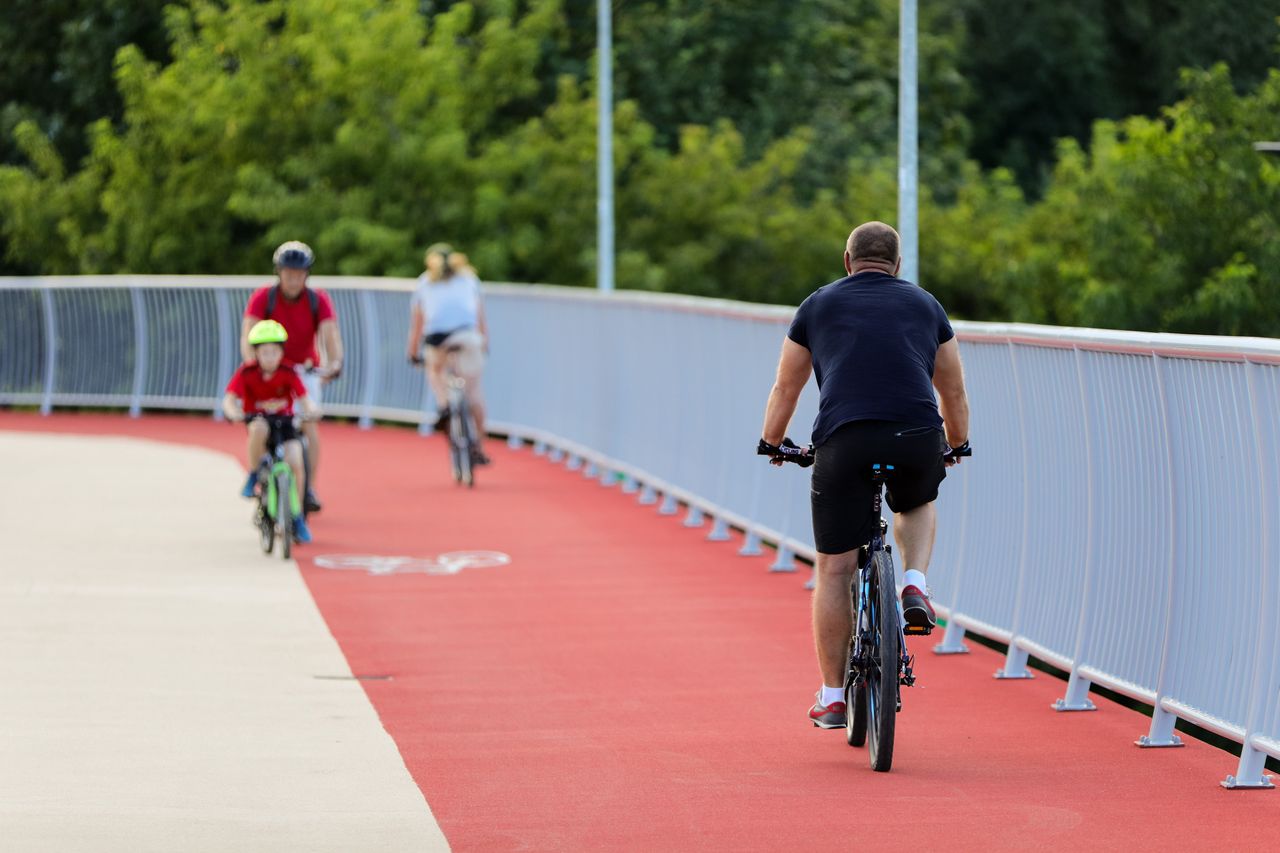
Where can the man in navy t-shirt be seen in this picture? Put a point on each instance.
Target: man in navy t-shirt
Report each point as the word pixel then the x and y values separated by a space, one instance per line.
pixel 879 347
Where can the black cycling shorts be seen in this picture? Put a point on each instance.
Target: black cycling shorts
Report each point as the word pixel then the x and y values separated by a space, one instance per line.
pixel 842 490
pixel 436 339
pixel 282 429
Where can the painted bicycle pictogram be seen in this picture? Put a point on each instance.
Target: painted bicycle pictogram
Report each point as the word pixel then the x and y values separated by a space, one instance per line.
pixel 450 563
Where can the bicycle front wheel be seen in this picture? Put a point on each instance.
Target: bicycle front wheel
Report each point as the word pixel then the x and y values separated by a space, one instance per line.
pixel 882 674
pixel 266 528
pixel 284 515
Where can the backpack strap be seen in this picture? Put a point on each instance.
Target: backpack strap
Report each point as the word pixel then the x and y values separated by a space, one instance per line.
pixel 274 294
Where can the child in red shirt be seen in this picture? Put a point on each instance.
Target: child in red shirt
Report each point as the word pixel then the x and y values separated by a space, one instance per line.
pixel 263 395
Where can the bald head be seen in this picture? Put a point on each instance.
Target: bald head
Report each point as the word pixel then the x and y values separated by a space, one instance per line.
pixel 873 244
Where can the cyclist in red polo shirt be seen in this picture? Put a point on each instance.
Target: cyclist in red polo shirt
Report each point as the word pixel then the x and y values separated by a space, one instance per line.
pixel 307 315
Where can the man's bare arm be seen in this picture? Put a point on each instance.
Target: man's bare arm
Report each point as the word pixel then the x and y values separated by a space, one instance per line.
pixel 794 366
pixel 309 408
pixel 246 351
pixel 331 343
pixel 953 402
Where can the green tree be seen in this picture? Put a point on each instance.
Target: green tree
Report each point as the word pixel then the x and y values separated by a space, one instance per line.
pixel 56 60
pixel 1043 71
pixel 349 122
pixel 1163 224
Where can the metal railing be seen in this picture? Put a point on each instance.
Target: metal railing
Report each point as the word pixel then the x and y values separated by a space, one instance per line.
pixel 1119 520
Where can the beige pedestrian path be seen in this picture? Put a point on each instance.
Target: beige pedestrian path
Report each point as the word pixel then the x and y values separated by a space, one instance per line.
pixel 163 685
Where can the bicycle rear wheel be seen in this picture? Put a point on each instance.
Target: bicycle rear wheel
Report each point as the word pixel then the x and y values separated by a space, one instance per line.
pixel 460 434
pixel 882 674
pixel 284 515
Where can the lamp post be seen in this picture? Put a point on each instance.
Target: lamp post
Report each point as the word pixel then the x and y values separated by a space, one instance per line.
pixel 908 144
pixel 604 147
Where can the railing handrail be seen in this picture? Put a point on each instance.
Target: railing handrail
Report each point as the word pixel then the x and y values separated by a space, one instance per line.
pixel 1169 344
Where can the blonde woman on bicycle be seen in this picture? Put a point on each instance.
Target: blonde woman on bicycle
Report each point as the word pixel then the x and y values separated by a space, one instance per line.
pixel 447 313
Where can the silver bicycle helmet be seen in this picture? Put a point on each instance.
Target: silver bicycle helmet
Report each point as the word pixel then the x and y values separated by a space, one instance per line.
pixel 294 255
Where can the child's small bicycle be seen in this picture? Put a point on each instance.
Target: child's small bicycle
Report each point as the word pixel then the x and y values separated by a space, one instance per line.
pixel 277 493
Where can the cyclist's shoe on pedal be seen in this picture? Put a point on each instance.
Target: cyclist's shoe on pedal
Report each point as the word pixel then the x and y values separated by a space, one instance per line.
pixel 442 420
pixel 917 612
pixel 301 533
pixel 826 716
pixel 250 485
pixel 311 503
pixel 478 457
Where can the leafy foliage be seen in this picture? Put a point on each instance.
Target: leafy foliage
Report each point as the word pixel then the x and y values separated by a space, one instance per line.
pixel 748 140
pixel 1076 62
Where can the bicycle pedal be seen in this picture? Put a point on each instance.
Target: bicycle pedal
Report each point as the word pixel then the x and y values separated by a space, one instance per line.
pixel 917 630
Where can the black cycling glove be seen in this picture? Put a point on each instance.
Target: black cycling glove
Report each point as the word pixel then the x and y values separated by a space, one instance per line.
pixel 788 450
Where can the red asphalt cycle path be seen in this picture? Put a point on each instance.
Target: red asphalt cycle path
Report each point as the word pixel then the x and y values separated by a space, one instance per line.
pixel 625 685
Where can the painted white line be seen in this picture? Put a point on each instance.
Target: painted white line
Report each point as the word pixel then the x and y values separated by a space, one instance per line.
pixel 446 564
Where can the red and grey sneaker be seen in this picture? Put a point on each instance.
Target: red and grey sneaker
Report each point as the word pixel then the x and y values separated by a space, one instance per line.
pixel 917 612
pixel 826 716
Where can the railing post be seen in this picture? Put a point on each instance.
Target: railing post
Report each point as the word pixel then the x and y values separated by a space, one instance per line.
pixel 372 359
pixel 750 544
pixel 50 350
pixel 1015 664
pixel 669 506
pixel 785 562
pixel 719 530
pixel 1249 774
pixel 139 351
pixel 953 637
pixel 228 341
pixel 694 517
pixel 1077 695
pixel 1253 760
pixel 1161 733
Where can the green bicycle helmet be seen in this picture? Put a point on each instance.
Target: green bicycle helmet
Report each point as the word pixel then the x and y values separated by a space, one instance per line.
pixel 267 332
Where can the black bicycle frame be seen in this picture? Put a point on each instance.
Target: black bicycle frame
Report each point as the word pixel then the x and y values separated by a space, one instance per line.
pixel 863 604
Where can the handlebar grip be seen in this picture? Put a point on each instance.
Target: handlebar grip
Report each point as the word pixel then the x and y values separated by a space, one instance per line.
pixel 788 451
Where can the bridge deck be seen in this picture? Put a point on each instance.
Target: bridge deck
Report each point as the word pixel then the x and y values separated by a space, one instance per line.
pixel 624 684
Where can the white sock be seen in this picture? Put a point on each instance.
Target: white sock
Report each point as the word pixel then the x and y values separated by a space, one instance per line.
pixel 831 694
pixel 914 577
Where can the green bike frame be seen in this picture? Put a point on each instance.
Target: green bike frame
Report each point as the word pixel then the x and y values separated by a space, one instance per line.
pixel 295 505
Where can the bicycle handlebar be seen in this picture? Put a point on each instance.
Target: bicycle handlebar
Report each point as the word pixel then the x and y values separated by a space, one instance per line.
pixel 296 418
pixel 789 451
